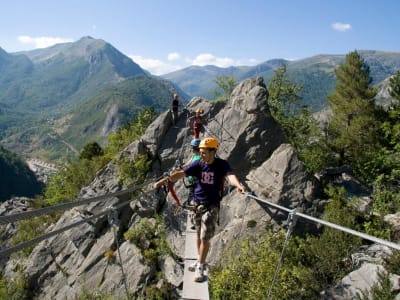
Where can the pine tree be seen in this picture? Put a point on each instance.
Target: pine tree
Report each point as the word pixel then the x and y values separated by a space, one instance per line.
pixel 395 86
pixel 392 124
pixel 353 129
pixel 387 162
pixel 296 120
pixel 282 94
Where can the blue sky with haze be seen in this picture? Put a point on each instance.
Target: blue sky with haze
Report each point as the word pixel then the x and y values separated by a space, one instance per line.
pixel 163 36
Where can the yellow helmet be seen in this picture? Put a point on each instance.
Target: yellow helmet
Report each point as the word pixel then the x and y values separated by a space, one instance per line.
pixel 209 142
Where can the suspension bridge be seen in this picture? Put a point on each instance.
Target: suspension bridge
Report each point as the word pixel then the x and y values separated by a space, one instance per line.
pixel 191 290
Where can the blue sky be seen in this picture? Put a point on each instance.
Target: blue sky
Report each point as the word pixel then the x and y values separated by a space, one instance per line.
pixel 166 35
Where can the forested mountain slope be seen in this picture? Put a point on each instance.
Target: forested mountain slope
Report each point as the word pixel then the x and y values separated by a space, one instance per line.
pixel 16 179
pixel 55 99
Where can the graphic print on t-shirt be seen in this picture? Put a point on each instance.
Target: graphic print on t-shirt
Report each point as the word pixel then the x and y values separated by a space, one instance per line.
pixel 207 177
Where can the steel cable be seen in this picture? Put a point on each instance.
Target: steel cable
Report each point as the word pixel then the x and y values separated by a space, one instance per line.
pixel 329 224
pixel 64 206
pixel 6 252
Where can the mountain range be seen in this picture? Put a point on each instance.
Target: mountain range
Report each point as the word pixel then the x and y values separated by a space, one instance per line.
pixel 315 74
pixel 55 100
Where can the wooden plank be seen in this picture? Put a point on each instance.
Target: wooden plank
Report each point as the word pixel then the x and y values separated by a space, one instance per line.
pixel 193 290
pixel 189 225
pixel 191 246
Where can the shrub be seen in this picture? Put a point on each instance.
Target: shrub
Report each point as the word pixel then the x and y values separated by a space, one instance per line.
pixel 14 288
pixel 248 269
pixel 149 237
pixel 392 263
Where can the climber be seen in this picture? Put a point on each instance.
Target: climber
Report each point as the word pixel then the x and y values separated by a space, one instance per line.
pixel 174 109
pixel 196 152
pixel 211 171
pixel 195 122
pixel 192 180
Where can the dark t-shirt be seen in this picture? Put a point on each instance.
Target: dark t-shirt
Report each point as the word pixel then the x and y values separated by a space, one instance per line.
pixel 175 105
pixel 208 188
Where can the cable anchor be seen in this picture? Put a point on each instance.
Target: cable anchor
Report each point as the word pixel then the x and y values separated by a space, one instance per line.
pixel 112 215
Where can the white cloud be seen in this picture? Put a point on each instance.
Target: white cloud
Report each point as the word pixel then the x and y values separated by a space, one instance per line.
pixel 205 59
pixel 43 41
pixel 154 66
pixel 176 62
pixel 341 26
pixel 173 56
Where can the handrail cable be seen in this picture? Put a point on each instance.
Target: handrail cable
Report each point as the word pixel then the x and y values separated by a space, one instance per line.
pixel 291 223
pixel 6 252
pixel 113 221
pixel 329 224
pixel 67 205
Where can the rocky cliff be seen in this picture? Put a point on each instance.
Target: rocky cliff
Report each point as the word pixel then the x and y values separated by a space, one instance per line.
pixel 95 257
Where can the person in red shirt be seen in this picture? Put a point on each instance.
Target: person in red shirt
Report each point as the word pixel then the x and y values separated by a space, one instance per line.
pixel 196 123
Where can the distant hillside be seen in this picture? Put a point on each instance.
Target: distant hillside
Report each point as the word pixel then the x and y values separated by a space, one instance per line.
pixel 16 178
pixel 62 75
pixel 108 110
pixel 93 120
pixel 200 81
pixel 315 74
pixel 52 100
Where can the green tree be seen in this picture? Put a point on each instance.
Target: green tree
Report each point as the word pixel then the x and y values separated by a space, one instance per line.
pixel 225 88
pixel 16 177
pixel 282 94
pixel 395 86
pixel 392 126
pixel 386 164
pixel 353 129
pixel 90 151
pixel 328 255
pixel 297 121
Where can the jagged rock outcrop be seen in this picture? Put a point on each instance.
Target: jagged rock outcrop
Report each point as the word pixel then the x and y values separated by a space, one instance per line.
pixel 13 206
pixel 85 258
pixel 368 263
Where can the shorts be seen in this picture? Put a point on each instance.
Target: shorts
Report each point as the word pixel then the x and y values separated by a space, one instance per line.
pixel 205 220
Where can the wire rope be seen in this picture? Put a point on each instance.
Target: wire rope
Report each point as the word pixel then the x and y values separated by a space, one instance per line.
pixel 6 252
pixel 67 205
pixel 329 224
pixel 291 223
